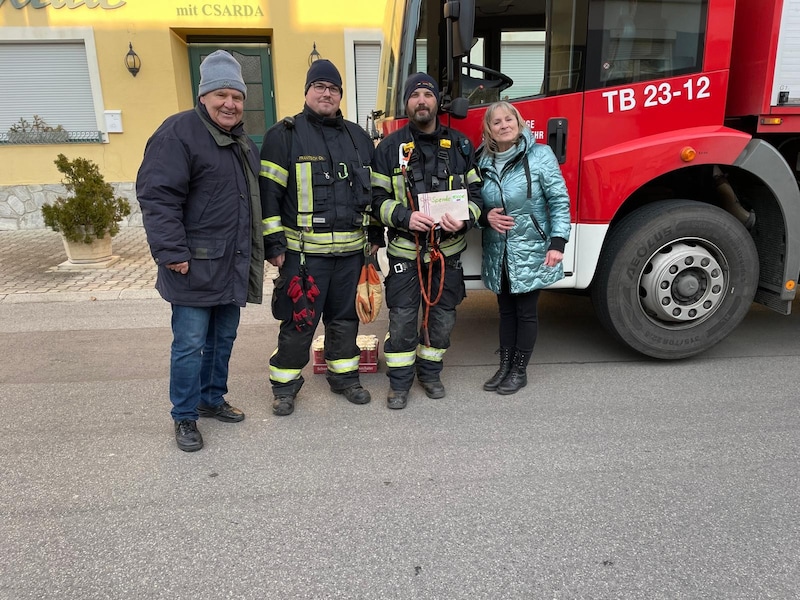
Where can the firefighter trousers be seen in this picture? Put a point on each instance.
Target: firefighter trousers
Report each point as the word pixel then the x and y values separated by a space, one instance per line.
pixel 337 279
pixel 404 349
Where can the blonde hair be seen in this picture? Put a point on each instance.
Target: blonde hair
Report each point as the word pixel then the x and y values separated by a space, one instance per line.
pixel 491 145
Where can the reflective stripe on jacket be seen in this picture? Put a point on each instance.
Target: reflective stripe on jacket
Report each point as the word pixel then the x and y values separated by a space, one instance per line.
pixel 315 185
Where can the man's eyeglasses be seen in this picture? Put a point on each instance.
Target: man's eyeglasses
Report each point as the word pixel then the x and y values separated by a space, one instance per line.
pixel 321 87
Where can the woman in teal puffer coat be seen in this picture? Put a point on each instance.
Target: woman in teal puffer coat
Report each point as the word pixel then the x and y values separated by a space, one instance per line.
pixel 526 225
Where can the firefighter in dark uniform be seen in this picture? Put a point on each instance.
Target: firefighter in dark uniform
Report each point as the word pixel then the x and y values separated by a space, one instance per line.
pixel 315 193
pixel 424 257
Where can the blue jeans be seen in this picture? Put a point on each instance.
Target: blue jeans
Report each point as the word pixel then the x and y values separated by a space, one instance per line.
pixel 202 341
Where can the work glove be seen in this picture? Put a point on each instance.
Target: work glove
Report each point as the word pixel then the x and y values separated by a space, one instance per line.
pixel 302 291
pixel 295 289
pixel 369 293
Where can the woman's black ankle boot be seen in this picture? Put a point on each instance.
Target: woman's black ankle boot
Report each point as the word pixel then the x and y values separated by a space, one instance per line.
pixel 517 377
pixel 505 367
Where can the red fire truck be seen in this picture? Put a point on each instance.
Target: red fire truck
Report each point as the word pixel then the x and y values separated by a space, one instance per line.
pixel 676 125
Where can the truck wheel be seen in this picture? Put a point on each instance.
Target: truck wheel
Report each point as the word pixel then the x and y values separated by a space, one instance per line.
pixel 675 278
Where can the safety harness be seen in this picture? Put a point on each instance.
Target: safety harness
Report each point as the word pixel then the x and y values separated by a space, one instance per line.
pixel 414 179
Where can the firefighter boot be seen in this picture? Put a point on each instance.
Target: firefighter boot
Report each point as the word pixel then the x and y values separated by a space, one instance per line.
pixel 397 399
pixel 355 394
pixel 428 378
pixel 517 377
pixel 433 389
pixel 505 367
pixel 283 405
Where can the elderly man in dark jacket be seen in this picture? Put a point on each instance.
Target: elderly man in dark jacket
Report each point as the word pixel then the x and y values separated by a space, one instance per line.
pixel 198 189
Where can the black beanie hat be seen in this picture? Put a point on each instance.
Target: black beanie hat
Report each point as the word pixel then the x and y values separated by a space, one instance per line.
pixel 323 70
pixel 419 80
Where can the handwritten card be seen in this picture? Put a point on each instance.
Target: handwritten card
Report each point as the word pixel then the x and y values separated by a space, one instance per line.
pixel 436 204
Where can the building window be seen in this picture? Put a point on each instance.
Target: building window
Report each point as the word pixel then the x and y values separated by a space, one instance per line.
pixel 362 64
pixel 54 80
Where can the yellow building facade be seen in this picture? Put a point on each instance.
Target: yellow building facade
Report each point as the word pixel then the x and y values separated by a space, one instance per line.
pixel 70 63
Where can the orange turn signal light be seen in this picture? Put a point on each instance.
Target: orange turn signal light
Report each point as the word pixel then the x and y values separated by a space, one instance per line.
pixel 791 284
pixel 688 154
pixel 771 120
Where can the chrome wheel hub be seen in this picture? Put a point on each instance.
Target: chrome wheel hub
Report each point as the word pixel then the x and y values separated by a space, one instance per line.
pixel 682 283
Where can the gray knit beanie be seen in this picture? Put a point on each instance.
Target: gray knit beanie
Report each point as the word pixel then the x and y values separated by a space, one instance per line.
pixel 220 70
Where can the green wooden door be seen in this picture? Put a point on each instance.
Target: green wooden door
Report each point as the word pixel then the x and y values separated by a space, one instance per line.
pixel 255 58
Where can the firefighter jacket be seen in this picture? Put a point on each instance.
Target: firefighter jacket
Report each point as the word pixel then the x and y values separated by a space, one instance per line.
pixel 439 161
pixel 530 188
pixel 198 189
pixel 315 186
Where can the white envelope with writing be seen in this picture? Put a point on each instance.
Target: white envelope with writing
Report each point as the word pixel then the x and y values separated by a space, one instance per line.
pixel 455 202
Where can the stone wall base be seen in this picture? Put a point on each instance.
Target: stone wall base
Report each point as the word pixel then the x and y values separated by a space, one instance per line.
pixel 20 205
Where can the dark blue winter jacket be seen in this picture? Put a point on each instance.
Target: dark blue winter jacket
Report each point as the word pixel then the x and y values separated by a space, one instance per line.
pixel 198 189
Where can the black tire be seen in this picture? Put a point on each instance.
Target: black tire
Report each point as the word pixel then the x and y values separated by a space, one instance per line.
pixel 675 278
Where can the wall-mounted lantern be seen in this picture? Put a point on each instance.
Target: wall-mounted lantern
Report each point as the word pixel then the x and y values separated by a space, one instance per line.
pixel 314 55
pixel 132 61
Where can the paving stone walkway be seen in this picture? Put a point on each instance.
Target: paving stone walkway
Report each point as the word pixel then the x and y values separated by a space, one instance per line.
pixel 31 271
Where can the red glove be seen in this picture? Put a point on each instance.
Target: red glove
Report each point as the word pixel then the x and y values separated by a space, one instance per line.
pixel 302 291
pixel 294 290
pixel 312 289
pixel 302 319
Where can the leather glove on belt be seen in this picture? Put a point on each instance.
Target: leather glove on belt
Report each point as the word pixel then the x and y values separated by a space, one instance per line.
pixel 369 293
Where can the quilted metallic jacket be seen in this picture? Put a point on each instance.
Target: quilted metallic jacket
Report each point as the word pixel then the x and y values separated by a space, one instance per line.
pixel 537 219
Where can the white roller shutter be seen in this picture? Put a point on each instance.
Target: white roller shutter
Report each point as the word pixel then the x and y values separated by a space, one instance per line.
pixel 368 58
pixel 48 79
pixel 524 63
pixel 422 56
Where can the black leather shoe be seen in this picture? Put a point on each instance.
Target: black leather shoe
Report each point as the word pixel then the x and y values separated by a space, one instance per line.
pixel 224 412
pixel 433 389
pixel 187 436
pixel 397 399
pixel 355 394
pixel 283 405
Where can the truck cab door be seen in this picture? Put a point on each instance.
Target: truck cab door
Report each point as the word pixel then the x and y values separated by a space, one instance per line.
pixel 533 57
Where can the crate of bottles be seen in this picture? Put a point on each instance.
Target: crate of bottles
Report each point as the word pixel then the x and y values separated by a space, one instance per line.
pixel 368 363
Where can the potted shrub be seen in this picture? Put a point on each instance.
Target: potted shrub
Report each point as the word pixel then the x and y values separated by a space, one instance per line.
pixel 38 132
pixel 89 218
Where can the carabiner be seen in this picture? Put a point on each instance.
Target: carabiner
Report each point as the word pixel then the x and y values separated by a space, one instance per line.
pixel 404 153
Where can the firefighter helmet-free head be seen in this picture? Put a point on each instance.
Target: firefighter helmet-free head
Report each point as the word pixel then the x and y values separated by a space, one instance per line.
pixel 417 81
pixel 323 70
pixel 219 70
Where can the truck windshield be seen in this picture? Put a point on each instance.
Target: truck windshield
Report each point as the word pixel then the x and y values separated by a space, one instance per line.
pixel 520 50
pixel 508 55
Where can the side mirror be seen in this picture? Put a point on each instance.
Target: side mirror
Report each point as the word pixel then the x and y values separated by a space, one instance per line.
pixel 461 14
pixel 457 108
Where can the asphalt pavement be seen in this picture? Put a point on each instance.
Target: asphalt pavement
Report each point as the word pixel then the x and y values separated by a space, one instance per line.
pixel 610 476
